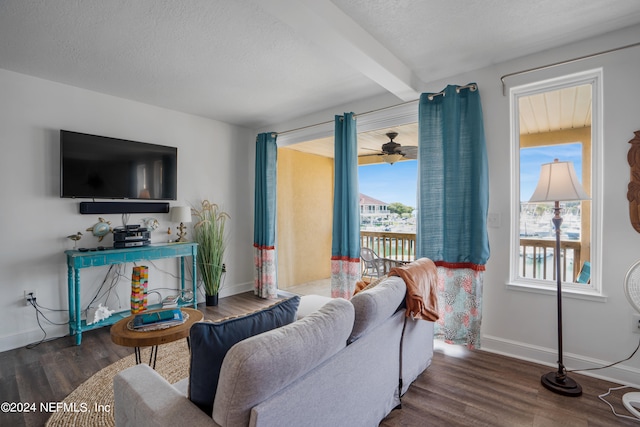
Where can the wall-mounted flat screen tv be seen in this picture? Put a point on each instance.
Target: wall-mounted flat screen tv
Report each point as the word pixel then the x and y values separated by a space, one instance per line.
pixel 95 167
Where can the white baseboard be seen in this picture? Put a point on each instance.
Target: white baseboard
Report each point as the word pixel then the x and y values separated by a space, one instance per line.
pixel 620 374
pixel 238 288
pixel 22 339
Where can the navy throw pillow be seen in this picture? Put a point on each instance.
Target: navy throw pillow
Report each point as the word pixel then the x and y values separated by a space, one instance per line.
pixel 211 341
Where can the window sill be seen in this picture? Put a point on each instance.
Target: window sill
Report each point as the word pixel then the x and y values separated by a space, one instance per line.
pixel 588 295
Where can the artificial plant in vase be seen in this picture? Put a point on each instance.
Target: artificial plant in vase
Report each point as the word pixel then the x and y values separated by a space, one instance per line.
pixel 209 234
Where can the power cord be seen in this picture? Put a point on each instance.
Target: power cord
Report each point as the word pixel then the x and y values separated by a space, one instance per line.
pixel 115 273
pixel 32 300
pixel 602 396
pixel 610 365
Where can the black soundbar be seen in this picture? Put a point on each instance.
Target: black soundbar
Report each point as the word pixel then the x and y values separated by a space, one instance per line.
pixel 123 207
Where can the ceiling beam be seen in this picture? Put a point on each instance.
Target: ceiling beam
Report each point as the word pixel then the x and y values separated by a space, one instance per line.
pixel 324 24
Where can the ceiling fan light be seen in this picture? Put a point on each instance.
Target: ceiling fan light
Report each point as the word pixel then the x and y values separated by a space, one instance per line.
pixel 391 158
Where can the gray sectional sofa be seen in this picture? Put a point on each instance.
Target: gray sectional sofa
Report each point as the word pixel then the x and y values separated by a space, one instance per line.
pixel 342 365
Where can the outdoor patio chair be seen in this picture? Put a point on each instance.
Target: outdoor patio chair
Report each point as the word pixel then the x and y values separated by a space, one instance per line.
pixel 372 264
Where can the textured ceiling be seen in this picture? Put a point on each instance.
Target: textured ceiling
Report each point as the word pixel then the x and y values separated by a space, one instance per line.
pixel 260 62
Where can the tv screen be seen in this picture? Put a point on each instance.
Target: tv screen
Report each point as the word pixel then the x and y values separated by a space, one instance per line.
pixel 94 167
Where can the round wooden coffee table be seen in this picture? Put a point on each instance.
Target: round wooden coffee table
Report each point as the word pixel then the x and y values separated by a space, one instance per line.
pixel 122 335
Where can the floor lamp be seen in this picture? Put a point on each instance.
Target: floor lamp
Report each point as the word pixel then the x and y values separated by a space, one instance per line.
pixel 558 182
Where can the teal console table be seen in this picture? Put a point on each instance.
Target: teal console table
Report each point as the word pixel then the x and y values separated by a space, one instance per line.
pixel 77 260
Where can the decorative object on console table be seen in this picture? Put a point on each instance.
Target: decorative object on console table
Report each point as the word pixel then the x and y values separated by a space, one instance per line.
pixel 101 228
pixel 75 238
pixel 558 181
pixel 139 279
pixel 209 234
pixel 151 223
pixel 180 214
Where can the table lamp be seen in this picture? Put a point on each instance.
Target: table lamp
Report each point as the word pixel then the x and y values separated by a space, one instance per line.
pixel 181 214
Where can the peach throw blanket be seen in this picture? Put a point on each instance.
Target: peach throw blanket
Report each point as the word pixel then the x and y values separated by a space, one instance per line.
pixel 421 277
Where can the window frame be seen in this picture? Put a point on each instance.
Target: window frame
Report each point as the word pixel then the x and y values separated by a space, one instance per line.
pixel 594 289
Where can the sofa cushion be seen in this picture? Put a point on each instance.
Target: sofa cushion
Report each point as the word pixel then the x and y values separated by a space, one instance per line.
pixel 260 366
pixel 375 305
pixel 210 342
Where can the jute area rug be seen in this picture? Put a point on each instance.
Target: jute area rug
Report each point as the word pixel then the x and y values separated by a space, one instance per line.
pixel 97 392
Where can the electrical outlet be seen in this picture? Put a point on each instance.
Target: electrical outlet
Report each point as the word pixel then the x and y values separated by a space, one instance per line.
pixel 28 295
pixel 636 323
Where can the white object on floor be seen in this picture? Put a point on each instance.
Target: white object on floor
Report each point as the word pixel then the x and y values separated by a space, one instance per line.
pixel 631 401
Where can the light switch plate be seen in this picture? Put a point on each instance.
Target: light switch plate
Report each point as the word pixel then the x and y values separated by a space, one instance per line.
pixel 493 220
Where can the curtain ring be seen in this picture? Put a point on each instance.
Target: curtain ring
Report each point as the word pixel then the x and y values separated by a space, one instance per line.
pixel 433 95
pixel 471 88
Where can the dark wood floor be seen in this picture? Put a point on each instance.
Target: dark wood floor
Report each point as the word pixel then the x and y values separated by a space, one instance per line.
pixel 470 388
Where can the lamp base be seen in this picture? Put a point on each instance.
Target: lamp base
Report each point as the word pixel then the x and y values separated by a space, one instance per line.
pixel 566 386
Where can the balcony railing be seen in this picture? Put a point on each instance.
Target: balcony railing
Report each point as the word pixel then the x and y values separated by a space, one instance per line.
pixel 536 255
pixel 398 246
pixel 537 259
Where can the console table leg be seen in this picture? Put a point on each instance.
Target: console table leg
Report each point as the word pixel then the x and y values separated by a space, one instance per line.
pixel 77 312
pixel 194 282
pixel 71 300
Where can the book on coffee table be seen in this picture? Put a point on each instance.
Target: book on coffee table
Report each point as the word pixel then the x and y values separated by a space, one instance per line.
pixel 162 317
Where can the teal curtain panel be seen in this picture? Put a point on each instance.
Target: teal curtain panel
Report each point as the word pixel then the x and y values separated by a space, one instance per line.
pixel 345 247
pixel 453 200
pixel 264 226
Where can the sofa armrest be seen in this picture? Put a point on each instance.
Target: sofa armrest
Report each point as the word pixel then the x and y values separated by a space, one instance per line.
pixel 143 398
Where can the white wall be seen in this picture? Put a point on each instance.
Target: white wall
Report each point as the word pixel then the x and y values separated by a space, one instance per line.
pixel 212 163
pixel 524 324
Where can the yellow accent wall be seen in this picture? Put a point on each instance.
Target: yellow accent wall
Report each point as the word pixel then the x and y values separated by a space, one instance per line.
pixel 305 215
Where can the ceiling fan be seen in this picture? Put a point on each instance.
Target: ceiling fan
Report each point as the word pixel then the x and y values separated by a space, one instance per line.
pixel 392 151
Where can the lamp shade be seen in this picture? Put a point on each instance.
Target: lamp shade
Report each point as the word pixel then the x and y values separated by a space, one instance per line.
pixel 391 158
pixel 180 214
pixel 558 181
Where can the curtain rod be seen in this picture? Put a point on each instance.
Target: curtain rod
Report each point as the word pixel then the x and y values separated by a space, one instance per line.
pixel 472 86
pixel 331 121
pixel 555 64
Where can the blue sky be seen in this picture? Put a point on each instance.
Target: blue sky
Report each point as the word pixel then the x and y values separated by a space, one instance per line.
pixel 397 182
pixel 390 183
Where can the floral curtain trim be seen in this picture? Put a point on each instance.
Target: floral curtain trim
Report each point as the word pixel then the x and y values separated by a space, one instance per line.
pixel 345 272
pixel 460 306
pixel 264 284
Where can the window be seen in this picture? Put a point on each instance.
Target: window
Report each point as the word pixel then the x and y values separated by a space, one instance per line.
pixel 556 119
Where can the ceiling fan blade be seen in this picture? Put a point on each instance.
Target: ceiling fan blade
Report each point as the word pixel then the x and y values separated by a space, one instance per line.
pixel 410 152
